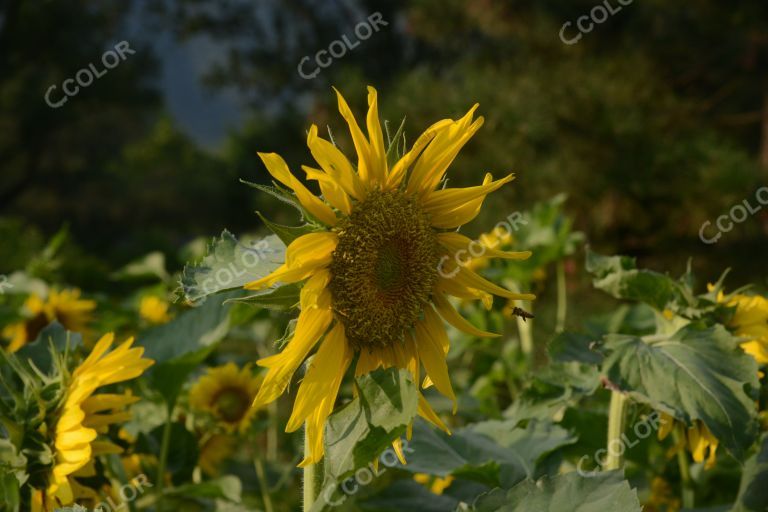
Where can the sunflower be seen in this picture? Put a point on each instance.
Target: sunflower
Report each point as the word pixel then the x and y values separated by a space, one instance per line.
pixel 84 415
pixel 697 439
pixel 214 451
pixel 750 321
pixel 498 238
pixel 66 306
pixel 661 497
pixel 376 271
pixel 154 310
pixel 227 394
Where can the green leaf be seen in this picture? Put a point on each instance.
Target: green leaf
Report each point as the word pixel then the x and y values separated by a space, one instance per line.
pixel 358 433
pixel 182 450
pixel 496 453
pixel 10 492
pixel 180 345
pixel 408 496
pixel 620 277
pixel 696 374
pixel 227 487
pixel 565 493
pixel 280 298
pixel 753 491
pixel 286 234
pixel 571 346
pixel 230 264
pixel 277 192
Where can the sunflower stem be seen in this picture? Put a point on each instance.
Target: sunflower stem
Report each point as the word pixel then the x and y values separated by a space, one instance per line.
pixel 687 490
pixel 617 417
pixel 309 477
pixel 262 477
pixel 562 300
pixel 164 446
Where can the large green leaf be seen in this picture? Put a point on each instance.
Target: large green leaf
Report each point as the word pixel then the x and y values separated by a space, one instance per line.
pixel 230 264
pixel 358 433
pixel 565 493
pixel 695 374
pixel 620 277
pixel 180 345
pixel 496 453
pixel 753 491
pixel 408 496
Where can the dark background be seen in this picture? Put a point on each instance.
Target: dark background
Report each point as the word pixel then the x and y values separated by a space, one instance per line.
pixel 652 123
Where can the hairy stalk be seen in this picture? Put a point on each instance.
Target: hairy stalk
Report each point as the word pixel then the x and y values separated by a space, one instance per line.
pixel 617 417
pixel 309 478
pixel 685 469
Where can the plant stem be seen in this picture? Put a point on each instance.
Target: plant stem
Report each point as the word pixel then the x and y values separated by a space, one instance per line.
pixel 261 475
pixel 617 418
pixel 309 478
pixel 272 432
pixel 524 327
pixel 685 469
pixel 165 444
pixel 562 300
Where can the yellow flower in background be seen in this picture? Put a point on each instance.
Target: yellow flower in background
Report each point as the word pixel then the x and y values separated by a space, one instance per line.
pixel 215 450
pixel 498 238
pixel 227 393
pixel 84 415
pixel 662 498
pixel 154 309
pixel 378 277
pixel 750 321
pixel 697 439
pixel 66 307
pixel 435 484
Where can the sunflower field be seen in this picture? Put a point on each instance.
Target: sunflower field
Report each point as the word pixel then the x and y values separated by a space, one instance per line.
pixel 272 257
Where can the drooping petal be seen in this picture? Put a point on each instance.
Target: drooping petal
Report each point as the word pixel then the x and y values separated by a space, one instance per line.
pixel 431 347
pixel 311 325
pixel 332 359
pixel 279 170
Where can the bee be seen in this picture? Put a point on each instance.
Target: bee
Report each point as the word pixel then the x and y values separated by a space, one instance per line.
pixel 521 313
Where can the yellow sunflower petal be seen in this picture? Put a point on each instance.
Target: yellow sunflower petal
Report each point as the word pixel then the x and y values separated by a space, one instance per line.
pixel 311 325
pixel 450 315
pixel 279 170
pixel 331 190
pixel 332 358
pixel 362 146
pixel 430 344
pixel 335 164
pixel 378 153
pixel 441 202
pixel 457 242
pixel 401 167
pixel 470 279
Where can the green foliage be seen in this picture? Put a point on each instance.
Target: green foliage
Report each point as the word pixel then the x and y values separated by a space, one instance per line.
pixel 357 433
pixel 570 492
pixel 695 374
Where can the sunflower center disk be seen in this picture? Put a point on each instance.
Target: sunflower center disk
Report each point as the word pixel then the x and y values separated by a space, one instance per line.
pixel 232 404
pixel 383 269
